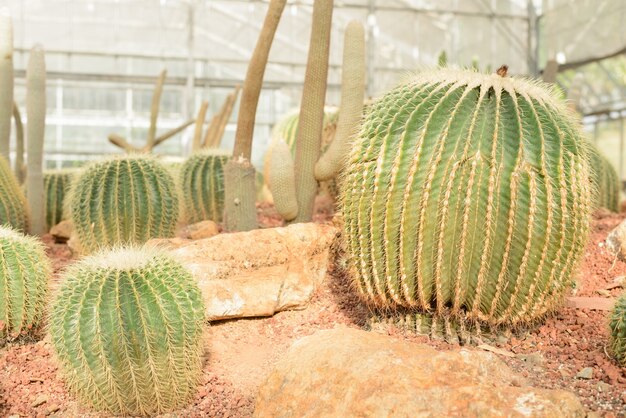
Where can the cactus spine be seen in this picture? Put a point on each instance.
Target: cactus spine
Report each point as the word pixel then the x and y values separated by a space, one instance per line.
pixel 13 208
pixel 309 137
pixel 467 195
pixel 203 186
pixel 126 327
pixel 6 83
pixel 240 210
pixel 56 186
pixel 24 272
pixel 35 130
pixel 127 199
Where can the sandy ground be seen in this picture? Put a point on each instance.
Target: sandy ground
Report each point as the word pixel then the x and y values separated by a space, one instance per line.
pixel 241 353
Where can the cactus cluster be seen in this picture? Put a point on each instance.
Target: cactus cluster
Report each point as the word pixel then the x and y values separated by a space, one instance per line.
pixel 202 184
pixel 605 181
pixel 127 329
pixel 617 330
pixel 128 199
pixel 13 208
pixel 467 196
pixel 56 184
pixel 24 272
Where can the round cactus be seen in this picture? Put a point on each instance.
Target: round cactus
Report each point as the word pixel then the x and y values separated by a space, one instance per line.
pixel 24 276
pixel 56 184
pixel 467 196
pixel 617 329
pixel 127 328
pixel 13 208
pixel 203 185
pixel 605 181
pixel 128 199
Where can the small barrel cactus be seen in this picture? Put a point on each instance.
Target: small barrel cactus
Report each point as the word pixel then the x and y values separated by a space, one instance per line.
pixel 617 329
pixel 467 196
pixel 24 272
pixel 127 327
pixel 202 183
pixel 605 180
pixel 13 208
pixel 128 199
pixel 56 184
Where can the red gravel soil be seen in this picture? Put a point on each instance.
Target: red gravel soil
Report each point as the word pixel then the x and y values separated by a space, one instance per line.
pixel 240 353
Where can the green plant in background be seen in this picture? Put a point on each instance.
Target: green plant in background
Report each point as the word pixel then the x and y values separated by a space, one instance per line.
pixel 442 59
pixel 24 272
pixel 56 185
pixel 202 183
pixel 127 329
pixel 13 208
pixel 287 177
pixel 467 196
pixel 6 84
pixel 605 181
pixel 128 199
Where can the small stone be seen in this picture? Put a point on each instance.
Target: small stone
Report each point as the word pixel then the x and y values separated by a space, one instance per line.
pixel 62 231
pixel 534 359
pixel 604 292
pixel 39 400
pixel 52 409
pixel 593 414
pixel 586 373
pixel 564 373
pixel 200 230
pixel 603 387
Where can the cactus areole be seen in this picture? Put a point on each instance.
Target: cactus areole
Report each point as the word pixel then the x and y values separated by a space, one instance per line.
pixel 467 195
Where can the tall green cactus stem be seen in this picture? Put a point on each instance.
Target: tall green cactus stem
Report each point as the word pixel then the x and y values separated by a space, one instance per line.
pixel 6 83
pixel 605 181
pixel 309 138
pixel 127 329
pixel 13 208
pixel 35 131
pixel 128 199
pixel 240 209
pixel 24 272
pixel 617 330
pixel 282 179
pixel 351 108
pixel 224 117
pixel 19 169
pixel 203 186
pixel 56 185
pixel 467 195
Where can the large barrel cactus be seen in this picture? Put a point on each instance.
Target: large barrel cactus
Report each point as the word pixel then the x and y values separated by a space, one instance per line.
pixel 13 208
pixel 127 199
pixel 24 272
pixel 605 181
pixel 467 196
pixel 202 181
pixel 127 328
pixel 56 184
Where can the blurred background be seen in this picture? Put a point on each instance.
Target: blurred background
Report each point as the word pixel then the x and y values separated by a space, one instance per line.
pixel 103 57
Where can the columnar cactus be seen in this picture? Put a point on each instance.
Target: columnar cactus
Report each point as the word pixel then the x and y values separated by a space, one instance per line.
pixel 202 184
pixel 467 196
pixel 126 199
pixel 23 283
pixel 13 208
pixel 617 329
pixel 56 185
pixel 127 329
pixel 6 83
pixel 605 180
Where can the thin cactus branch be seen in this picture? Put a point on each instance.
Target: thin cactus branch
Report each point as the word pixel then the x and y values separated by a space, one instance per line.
pixel 19 169
pixel 154 109
pixel 197 134
pixel 6 83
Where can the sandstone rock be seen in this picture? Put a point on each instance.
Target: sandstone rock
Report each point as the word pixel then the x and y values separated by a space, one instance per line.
pixel 62 231
pixel 256 273
pixel 353 373
pixel 200 230
pixel 616 241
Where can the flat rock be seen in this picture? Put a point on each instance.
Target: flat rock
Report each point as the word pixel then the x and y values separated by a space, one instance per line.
pixel 256 273
pixel 616 241
pixel 353 373
pixel 200 230
pixel 592 303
